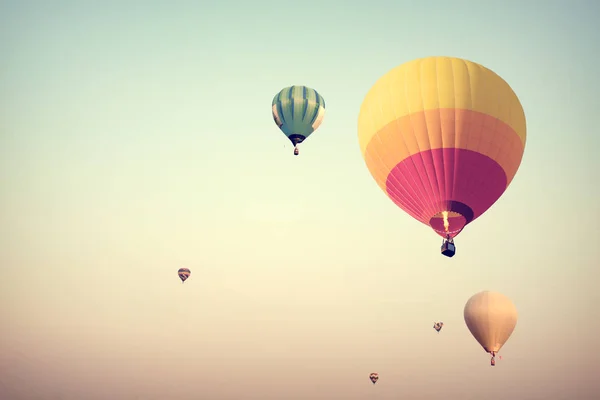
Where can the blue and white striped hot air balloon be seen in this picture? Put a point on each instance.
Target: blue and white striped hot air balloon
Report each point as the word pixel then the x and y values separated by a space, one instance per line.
pixel 298 111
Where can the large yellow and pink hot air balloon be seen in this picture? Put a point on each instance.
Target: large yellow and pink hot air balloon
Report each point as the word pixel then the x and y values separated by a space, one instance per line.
pixel 443 137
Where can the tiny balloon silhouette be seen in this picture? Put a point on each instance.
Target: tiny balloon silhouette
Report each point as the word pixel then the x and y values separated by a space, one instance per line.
pixel 374 377
pixel 183 273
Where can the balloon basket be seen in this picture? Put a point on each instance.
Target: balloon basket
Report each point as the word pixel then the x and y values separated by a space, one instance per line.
pixel 448 249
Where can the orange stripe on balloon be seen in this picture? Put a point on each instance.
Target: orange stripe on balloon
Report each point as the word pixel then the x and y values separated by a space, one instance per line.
pixel 443 128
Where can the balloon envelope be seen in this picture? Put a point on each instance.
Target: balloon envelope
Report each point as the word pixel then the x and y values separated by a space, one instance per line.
pixel 183 273
pixel 491 317
pixel 298 111
pixel 443 137
pixel 374 377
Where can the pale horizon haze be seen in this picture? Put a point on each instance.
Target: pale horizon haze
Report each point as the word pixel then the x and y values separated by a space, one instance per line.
pixel 137 138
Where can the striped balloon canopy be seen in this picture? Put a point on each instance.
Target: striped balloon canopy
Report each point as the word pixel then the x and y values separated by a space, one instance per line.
pixel 298 111
pixel 183 273
pixel 443 137
pixel 374 377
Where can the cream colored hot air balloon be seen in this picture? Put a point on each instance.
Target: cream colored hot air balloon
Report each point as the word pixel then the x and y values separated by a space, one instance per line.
pixel 491 317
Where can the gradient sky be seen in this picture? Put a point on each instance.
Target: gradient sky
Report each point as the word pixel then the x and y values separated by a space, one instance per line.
pixel 137 137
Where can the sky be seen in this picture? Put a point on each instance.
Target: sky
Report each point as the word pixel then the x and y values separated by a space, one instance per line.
pixel 137 137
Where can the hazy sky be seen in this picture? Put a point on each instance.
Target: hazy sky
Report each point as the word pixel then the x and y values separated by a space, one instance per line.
pixel 137 137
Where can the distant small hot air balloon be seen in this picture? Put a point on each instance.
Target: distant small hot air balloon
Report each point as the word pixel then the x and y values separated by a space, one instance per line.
pixel 491 317
pixel 183 273
pixel 374 377
pixel 298 111
pixel 443 137
pixel 438 326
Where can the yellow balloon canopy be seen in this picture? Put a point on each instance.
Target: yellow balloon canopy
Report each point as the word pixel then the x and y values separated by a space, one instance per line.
pixel 443 137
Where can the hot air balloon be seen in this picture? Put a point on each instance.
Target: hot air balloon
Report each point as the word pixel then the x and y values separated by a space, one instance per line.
pixel 183 273
pixel 298 111
pixel 443 137
pixel 491 317
pixel 438 326
pixel 374 377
